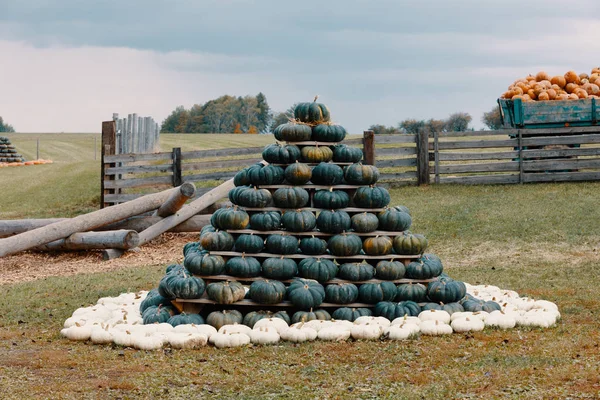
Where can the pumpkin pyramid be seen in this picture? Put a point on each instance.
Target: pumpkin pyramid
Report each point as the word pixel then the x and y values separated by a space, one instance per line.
pixel 310 235
pixel 8 152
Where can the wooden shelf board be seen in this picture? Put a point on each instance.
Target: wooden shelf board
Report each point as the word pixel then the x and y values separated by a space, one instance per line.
pixel 347 209
pixel 313 143
pixel 311 233
pixel 332 281
pixel 327 256
pixel 314 164
pixel 246 302
pixel 311 186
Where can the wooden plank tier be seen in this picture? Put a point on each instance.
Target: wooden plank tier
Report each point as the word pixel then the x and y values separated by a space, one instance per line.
pixel 314 164
pixel 327 256
pixel 313 143
pixel 312 233
pixel 311 186
pixel 347 209
pixel 329 282
pixel 246 302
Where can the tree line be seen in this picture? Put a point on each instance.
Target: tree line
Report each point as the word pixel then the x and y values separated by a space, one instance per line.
pixel 5 127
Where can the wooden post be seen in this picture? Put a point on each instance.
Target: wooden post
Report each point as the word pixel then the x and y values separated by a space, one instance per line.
pixel 108 148
pixel 177 166
pixel 37 156
pixel 134 133
pixel 521 177
pixel 436 156
pixel 174 203
pixel 129 137
pixel 369 147
pixel 95 148
pixel 422 139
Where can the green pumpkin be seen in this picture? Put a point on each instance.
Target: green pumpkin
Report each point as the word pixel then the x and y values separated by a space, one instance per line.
pixel 331 199
pixel 403 209
pixel 176 267
pixel 253 317
pixel 410 243
pixel 311 113
pixel 377 245
pixel 341 293
pixel 476 305
pixel 372 197
pixel 390 270
pixel 291 197
pixel 298 173
pixel 327 174
pixel 153 298
pixel 243 267
pixel 359 174
pixel 203 263
pixel 185 319
pixel 305 293
pixel 328 133
pixel 266 221
pixel 411 291
pixel 279 268
pixel 391 310
pixel 313 246
pixel 217 319
pixel 281 154
pixel 365 222
pixel 305 316
pixel 250 196
pixel 373 293
pixel 230 218
pixel 266 175
pixel 351 314
pixel 281 244
pixel 344 153
pixel 394 220
pixel 181 285
pixel 431 306
pixel 217 241
pixel 228 292
pixel 299 220
pixel 190 246
pixel 249 243
pixel 446 291
pixel 334 221
pixel 451 308
pixel 344 245
pixel 157 314
pixel 319 269
pixel 292 132
pixel 206 229
pixel 356 271
pixel 427 267
pixel 267 291
pixel 316 154
pixel 242 178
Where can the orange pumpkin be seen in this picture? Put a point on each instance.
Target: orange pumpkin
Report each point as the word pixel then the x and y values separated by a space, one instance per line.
pixel 526 97
pixel 551 93
pixel 543 96
pixel 517 96
pixel 572 77
pixel 559 80
pixel 538 88
pixel 570 88
pixel 517 91
pixel 581 93
pixel 562 96
pixel 573 96
pixel 542 76
pixel 531 94
pixel 595 89
pixel 583 75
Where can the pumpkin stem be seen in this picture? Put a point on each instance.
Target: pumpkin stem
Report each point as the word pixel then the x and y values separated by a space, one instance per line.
pixel 316 97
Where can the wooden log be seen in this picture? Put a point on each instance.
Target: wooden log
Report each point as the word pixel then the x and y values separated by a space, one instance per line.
pixel 369 147
pixel 13 227
pixel 108 148
pixel 177 200
pixel 122 239
pixel 83 223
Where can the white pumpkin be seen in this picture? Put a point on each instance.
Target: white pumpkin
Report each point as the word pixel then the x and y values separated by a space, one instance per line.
pixel 545 305
pixel 181 340
pixel 367 331
pixel 407 319
pixel 101 335
pixel 334 334
pixel 123 338
pixel 435 327
pixel 276 323
pixel 398 332
pixel 77 332
pixel 318 324
pixel 435 315
pixel 71 321
pixel 164 327
pixel 206 329
pixel 537 318
pixel 265 334
pixel 299 333
pixel 235 328
pixel 186 328
pixel 227 339
pixel 467 324
pixel 384 322
pixel 501 319
pixel 342 324
pixel 147 342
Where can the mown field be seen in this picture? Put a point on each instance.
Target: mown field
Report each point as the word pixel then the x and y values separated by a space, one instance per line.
pixel 540 240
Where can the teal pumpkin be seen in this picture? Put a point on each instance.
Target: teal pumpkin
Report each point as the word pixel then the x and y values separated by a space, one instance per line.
pixel 250 197
pixel 153 298
pixel 312 113
pixel 266 221
pixel 243 267
pixel 299 220
pixel 344 245
pixel 279 268
pixel 371 197
pixel 372 293
pixel 242 178
pixel 327 174
pixel 431 306
pixel 364 222
pixel 190 246
pixel 185 319
pixel 403 209
pixel 351 314
pixel 328 133
pixel 217 319
pixel 281 244
pixel 249 243
pixel 411 291
pixel 394 220
pixel 267 291
pixel 181 285
pixel 290 197
pixel 391 310
pixel 203 263
pixel 176 267
pixel 319 269
pixel 341 293
pixel 305 293
pixel 230 218
pixel 292 132
pixel 410 243
pixel 281 154
pixel 359 174
pixel 217 241
pixel 206 229
pixel 333 221
pixel 427 267
pixel 227 292
pixel 305 316
pixel 450 308
pixel 377 245
pixel 344 153
pixel 356 271
pixel 316 154
pixel 298 173
pixel 390 270
pixel 266 175
pixel 157 314
pixel 476 305
pixel 446 291
pixel 313 246
pixel 331 199
pixel 253 317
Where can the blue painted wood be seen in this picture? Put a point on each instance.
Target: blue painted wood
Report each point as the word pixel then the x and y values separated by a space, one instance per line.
pixel 549 114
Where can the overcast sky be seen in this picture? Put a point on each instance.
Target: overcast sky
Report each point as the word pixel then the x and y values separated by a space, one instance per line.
pixel 67 65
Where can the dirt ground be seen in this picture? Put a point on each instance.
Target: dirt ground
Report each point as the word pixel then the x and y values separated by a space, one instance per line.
pixel 29 266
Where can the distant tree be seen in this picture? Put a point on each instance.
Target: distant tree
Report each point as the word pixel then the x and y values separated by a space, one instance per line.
pixel 382 129
pixel 458 122
pixel 171 123
pixel 248 112
pixel 253 129
pixel 196 119
pixel 411 125
pixel 283 117
pixel 238 128
pixel 492 119
pixel 264 113
pixel 434 125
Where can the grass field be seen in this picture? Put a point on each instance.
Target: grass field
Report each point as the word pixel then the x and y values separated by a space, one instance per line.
pixel 540 240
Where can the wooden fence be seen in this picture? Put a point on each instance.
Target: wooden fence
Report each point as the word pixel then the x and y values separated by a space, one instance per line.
pixel 135 134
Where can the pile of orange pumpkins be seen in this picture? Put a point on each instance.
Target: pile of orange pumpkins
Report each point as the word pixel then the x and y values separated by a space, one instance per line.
pixel 21 164
pixel 543 87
